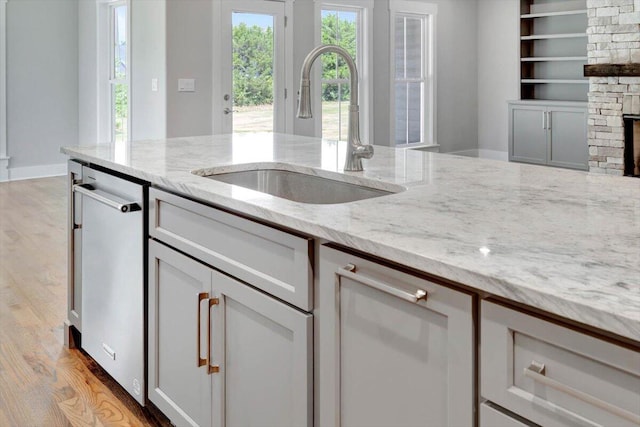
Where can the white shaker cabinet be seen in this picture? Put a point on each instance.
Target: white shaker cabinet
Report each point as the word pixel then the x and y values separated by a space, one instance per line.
pixel 548 133
pixel 553 375
pixel 178 381
pixel 395 349
pixel 222 353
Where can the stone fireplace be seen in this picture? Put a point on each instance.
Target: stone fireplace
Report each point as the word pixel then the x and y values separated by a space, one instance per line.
pixel 632 145
pixel 614 87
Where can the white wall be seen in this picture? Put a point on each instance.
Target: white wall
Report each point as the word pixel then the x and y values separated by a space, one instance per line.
pixel 498 70
pixel 456 64
pixel 148 61
pixel 189 55
pixel 87 73
pixel 42 85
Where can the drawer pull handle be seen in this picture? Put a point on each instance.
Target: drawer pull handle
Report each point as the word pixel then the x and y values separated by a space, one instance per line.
pixel 348 272
pixel 201 296
pixel 536 371
pixel 211 369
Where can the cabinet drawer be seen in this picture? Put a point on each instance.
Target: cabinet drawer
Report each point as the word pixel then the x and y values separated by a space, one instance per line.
pixel 552 375
pixel 273 260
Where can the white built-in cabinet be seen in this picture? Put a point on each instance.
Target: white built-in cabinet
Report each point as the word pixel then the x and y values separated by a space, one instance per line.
pixel 536 372
pixel 222 352
pixel 394 349
pixel 548 125
pixel 548 133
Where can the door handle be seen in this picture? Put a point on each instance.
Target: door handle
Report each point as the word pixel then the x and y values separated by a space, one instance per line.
pixel 229 111
pixel 536 371
pixel 348 272
pixel 211 369
pixel 106 198
pixel 201 296
pixel 548 120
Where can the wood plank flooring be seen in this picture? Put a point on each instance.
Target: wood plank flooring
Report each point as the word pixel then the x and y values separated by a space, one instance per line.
pixel 41 382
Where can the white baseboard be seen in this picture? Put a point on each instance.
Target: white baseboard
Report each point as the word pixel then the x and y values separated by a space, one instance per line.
pixel 483 154
pixel 40 171
pixel 4 169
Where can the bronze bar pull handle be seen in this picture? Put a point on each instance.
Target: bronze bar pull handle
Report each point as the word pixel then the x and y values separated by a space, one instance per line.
pixel 212 369
pixel 201 296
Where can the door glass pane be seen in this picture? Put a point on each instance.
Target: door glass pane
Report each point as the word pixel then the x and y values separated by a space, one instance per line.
pixel 335 111
pixel 120 112
pixel 253 66
pixel 120 42
pixel 339 27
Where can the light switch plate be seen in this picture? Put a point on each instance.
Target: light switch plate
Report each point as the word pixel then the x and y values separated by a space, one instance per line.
pixel 186 85
pixel 154 85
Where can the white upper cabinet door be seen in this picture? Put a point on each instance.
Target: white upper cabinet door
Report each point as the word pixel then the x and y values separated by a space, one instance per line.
pixel 395 350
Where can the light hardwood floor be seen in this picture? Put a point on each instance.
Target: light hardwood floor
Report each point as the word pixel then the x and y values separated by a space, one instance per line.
pixel 41 382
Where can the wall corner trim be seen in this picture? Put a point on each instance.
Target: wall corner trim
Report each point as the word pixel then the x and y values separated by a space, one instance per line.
pixel 4 160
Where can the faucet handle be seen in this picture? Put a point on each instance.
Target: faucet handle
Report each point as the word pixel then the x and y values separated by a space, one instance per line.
pixel 364 151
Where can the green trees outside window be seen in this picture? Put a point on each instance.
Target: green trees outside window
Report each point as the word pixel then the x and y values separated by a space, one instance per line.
pixel 253 66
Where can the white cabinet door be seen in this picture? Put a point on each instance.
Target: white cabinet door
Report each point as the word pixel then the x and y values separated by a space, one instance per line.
pixel 385 360
pixel 528 134
pixel 179 289
pixel 568 145
pixel 263 351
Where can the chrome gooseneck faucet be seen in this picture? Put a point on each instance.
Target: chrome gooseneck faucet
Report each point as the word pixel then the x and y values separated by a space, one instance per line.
pixel 356 151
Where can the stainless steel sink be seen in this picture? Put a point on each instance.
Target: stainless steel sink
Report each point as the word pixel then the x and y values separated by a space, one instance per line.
pixel 299 187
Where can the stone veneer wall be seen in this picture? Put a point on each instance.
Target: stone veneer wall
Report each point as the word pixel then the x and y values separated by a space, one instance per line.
pixel 613 38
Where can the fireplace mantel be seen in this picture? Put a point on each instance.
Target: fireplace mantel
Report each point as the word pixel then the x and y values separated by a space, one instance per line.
pixel 612 70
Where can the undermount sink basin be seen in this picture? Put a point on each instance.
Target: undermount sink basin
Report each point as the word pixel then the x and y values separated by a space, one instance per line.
pixel 299 187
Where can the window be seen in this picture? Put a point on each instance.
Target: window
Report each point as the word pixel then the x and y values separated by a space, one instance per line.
pixel 118 71
pixel 343 25
pixel 413 67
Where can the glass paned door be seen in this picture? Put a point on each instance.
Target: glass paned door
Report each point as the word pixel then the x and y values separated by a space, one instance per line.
pixel 253 66
pixel 339 27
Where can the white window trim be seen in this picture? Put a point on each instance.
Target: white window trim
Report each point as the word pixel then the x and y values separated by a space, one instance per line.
pixel 364 63
pixel 431 11
pixel 4 159
pixel 104 78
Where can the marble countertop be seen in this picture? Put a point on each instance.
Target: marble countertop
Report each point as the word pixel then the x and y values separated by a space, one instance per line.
pixel 563 241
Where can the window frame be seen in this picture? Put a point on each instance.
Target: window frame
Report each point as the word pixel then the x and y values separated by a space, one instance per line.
pixel 105 61
pixel 364 60
pixel 113 81
pixel 428 12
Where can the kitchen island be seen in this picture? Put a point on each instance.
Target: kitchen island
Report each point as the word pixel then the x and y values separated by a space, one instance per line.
pixel 562 241
pixel 552 242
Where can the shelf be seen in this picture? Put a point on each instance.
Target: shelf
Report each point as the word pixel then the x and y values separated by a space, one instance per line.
pixel 548 14
pixel 554 58
pixel 554 36
pixel 557 81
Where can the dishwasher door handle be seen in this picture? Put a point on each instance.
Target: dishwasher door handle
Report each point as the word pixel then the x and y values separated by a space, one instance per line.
pixel 106 198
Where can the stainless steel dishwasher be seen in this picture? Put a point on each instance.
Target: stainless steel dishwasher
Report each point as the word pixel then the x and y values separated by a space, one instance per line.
pixel 113 276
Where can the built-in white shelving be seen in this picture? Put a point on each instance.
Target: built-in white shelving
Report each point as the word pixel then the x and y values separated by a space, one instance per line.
pixel 554 58
pixel 561 13
pixel 553 50
pixel 557 81
pixel 554 36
